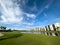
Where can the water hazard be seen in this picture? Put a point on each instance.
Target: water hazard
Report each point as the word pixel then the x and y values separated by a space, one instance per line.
pixel 44 33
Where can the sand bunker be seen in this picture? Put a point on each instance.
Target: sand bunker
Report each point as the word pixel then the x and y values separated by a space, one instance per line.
pixel 1 34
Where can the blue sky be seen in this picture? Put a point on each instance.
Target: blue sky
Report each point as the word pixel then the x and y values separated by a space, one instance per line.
pixel 26 14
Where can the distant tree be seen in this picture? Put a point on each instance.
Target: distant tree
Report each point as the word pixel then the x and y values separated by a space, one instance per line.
pixel 9 30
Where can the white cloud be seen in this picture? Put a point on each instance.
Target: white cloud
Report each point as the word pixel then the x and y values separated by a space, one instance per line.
pixel 47 6
pixel 56 20
pixel 45 14
pixel 11 12
pixel 28 24
pixel 30 15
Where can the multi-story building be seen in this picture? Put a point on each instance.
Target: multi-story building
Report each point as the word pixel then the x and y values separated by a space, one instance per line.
pixel 57 26
pixel 46 28
pixel 53 27
pixel 37 29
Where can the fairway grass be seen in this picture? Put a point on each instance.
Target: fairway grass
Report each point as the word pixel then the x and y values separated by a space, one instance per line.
pixel 16 38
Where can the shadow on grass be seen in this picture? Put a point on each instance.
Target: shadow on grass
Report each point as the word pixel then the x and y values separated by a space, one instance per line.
pixel 14 36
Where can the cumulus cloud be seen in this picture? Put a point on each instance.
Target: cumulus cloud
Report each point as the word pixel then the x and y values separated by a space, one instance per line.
pixel 11 12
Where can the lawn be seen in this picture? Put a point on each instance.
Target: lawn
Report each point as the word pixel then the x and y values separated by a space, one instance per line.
pixel 16 38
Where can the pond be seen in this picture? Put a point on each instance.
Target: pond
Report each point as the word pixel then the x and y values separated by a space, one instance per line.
pixel 45 33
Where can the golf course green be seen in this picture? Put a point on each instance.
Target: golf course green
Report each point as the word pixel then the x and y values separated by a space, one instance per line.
pixel 16 38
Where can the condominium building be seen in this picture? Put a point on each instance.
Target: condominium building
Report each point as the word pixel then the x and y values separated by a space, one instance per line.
pixel 53 27
pixel 57 26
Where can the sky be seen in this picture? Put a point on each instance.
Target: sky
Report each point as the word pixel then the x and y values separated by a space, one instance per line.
pixel 26 14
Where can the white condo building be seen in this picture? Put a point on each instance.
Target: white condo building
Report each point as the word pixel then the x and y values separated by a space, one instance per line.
pixel 57 26
pixel 53 27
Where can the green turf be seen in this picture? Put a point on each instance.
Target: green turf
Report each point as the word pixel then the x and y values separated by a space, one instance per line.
pixel 16 38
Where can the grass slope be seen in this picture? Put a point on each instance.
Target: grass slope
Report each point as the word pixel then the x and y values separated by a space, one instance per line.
pixel 16 38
